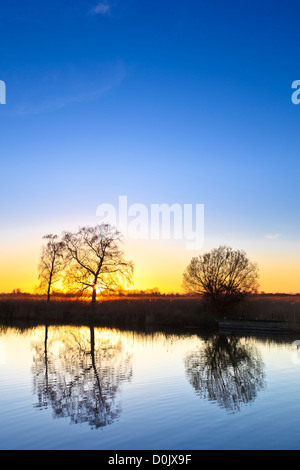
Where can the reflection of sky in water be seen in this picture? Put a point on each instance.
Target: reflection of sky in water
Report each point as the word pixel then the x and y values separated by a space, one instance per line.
pixel 146 390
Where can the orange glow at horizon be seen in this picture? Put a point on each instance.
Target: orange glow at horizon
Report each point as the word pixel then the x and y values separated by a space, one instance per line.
pixel 157 265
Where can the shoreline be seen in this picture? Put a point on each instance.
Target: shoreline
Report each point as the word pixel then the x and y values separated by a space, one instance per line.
pixel 151 312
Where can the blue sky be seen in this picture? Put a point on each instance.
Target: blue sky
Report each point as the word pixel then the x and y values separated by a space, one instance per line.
pixel 176 102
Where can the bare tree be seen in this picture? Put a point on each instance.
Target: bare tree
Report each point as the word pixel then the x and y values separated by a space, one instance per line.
pixel 96 260
pixel 222 275
pixel 51 264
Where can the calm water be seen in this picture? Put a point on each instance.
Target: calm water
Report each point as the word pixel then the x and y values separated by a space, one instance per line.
pixel 95 388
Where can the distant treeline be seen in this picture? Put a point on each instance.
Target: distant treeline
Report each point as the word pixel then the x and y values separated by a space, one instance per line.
pixel 135 293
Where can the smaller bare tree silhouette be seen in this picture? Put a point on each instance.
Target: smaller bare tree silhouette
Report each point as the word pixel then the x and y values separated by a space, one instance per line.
pixel 51 264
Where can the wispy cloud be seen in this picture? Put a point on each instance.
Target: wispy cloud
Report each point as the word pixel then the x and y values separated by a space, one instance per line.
pixel 101 8
pixel 58 89
pixel 272 236
pixel 48 106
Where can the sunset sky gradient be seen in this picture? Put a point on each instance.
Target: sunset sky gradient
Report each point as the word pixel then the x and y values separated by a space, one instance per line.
pixel 164 102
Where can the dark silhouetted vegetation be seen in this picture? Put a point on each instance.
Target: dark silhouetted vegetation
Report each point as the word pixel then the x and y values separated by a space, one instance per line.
pixel 88 261
pixel 223 276
pixel 51 264
pixel 153 310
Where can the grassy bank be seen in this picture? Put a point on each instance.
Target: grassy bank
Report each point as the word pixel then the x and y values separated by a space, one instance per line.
pixel 161 311
pixel 133 312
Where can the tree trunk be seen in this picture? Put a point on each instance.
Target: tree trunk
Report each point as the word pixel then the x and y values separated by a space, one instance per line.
pixel 94 297
pixel 48 296
pixel 49 287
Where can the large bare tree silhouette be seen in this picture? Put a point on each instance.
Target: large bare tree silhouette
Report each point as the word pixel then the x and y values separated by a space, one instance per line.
pixel 95 260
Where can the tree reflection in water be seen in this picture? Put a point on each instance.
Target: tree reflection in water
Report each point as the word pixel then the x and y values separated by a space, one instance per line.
pixel 78 372
pixel 226 371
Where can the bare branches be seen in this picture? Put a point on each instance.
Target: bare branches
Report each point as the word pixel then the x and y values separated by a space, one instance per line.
pixel 95 260
pixel 90 259
pixel 222 274
pixel 51 264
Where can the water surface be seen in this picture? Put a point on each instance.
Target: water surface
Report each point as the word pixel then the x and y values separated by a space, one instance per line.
pixel 99 388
